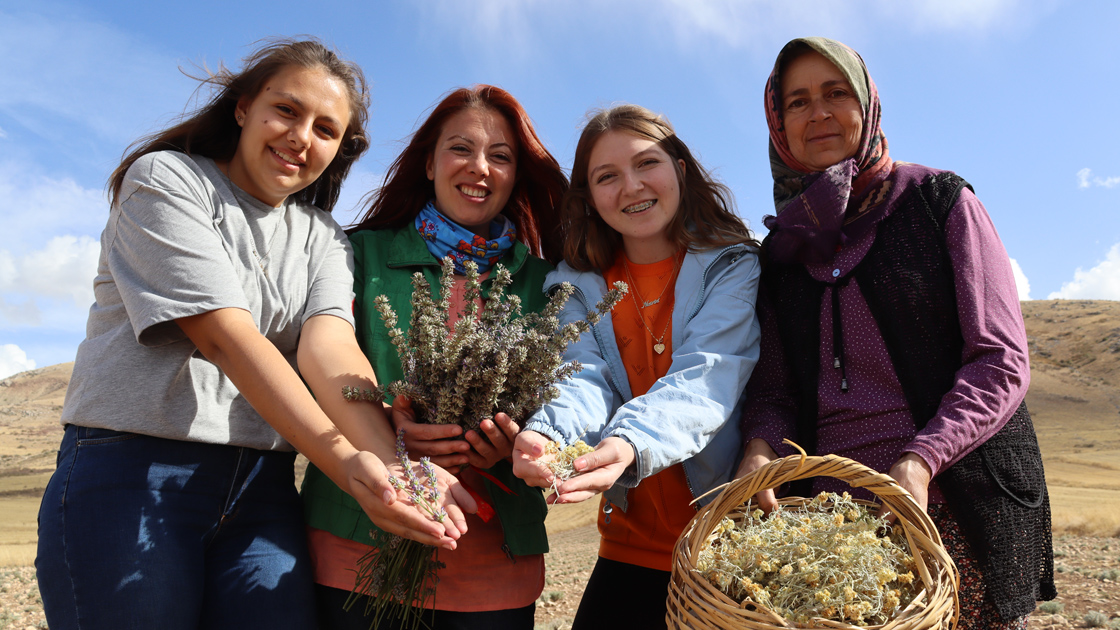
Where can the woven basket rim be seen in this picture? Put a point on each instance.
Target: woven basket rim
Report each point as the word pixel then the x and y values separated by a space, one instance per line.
pixel 935 606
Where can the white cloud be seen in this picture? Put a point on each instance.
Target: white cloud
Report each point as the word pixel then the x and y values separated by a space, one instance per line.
pixel 13 360
pixel 57 279
pixel 1085 179
pixel 23 313
pixel 1099 283
pixel 514 23
pixel 761 25
pixel 956 14
pixel 3 134
pixel 63 269
pixel 1022 285
pixel 758 25
pixel 35 208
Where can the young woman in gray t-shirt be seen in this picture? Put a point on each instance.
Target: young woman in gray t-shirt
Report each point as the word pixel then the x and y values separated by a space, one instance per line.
pixel 221 274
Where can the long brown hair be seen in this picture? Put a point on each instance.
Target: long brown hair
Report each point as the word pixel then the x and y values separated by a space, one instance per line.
pixel 538 187
pixel 704 220
pixel 212 131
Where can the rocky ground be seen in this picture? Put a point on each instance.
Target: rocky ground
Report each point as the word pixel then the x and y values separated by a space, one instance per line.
pixel 1088 577
pixel 20 605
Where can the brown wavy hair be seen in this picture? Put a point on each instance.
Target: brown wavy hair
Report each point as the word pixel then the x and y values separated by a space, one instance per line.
pixel 212 130
pixel 539 183
pixel 705 218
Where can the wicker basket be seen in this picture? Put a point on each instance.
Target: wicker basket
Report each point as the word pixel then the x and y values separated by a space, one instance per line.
pixel 695 603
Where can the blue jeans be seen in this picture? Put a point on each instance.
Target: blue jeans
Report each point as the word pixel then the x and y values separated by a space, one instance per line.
pixel 143 532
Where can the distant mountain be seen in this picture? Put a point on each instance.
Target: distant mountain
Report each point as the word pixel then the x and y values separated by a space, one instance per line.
pixel 1074 396
pixel 30 408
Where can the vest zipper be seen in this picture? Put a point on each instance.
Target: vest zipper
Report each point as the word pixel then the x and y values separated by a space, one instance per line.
pixel 838 335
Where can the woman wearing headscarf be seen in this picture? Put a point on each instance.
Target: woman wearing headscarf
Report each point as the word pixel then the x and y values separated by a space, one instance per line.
pixel 892 333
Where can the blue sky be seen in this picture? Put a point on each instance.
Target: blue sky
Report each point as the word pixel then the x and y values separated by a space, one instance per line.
pixel 1021 98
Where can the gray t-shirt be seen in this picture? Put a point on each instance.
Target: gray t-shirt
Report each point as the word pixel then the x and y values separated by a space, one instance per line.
pixel 182 241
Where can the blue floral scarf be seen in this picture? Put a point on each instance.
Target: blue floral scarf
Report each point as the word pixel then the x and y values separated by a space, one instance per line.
pixel 445 238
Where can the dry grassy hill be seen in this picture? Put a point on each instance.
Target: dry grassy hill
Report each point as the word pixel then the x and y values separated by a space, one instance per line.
pixel 1074 397
pixel 30 406
pixel 1075 400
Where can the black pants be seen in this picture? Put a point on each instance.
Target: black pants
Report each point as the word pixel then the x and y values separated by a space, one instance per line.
pixel 329 602
pixel 620 595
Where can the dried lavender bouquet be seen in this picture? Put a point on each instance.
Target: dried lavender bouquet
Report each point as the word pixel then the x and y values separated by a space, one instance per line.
pixel 494 360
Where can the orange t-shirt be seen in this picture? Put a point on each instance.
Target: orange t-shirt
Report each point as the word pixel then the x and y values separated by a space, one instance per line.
pixel 658 509
pixel 479 576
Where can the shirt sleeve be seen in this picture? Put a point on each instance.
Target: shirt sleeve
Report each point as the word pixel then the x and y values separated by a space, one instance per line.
pixel 331 287
pixel 165 254
pixel 995 367
pixel 587 399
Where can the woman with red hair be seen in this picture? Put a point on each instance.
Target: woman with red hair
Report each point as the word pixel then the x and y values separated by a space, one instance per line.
pixel 474 183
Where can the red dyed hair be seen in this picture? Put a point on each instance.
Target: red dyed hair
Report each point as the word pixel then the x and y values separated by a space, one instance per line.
pixel 537 190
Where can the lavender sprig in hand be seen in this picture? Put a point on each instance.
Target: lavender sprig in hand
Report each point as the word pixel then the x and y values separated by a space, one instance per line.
pixel 397 575
pixel 423 493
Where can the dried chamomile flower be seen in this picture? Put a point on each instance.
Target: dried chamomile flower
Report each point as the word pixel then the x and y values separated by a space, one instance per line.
pixel 564 457
pixel 822 560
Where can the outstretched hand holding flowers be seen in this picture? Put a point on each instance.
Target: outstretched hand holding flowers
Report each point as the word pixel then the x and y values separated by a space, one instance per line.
pixel 399 517
pixel 591 473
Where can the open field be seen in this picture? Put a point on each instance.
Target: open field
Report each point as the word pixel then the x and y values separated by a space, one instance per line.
pixel 1074 398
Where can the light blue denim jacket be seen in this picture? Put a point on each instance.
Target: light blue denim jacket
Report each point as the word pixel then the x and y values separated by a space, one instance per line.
pixel 691 414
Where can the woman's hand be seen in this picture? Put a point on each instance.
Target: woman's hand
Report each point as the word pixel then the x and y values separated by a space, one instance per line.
pixel 481 450
pixel 430 440
pixel 369 485
pixel 757 454
pixel 352 445
pixel 912 473
pixel 497 443
pixel 528 459
pixel 596 471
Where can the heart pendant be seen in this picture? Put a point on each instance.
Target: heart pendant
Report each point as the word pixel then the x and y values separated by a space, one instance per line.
pixel 659 348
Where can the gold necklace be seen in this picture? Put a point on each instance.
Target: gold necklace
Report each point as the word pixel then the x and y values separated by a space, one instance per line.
pixel 657 300
pixel 658 342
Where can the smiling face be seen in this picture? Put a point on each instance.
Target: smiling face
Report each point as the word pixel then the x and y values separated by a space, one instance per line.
pixel 473 168
pixel 636 190
pixel 822 114
pixel 290 133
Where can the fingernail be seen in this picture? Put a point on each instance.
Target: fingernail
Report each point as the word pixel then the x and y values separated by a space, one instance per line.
pixel 388 497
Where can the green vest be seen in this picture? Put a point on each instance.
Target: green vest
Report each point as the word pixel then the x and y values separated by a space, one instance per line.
pixel 384 261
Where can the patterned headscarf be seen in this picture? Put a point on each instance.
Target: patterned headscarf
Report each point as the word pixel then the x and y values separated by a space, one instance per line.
pixel 811 206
